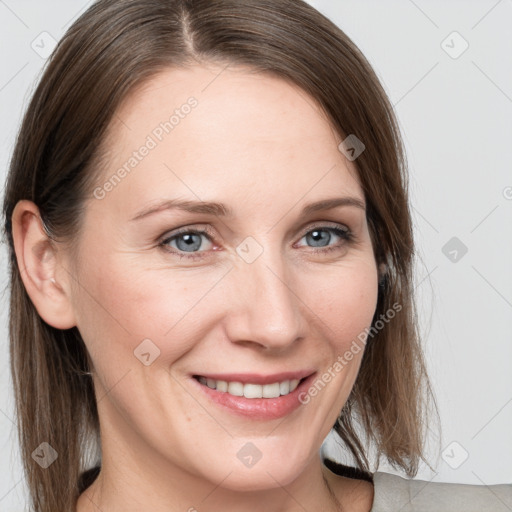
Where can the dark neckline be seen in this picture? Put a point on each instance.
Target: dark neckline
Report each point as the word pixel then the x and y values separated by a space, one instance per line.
pixel 86 478
pixel 347 471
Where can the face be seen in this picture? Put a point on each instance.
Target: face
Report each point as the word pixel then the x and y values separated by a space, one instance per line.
pixel 259 291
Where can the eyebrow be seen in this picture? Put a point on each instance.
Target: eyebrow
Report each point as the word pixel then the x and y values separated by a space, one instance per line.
pixel 220 209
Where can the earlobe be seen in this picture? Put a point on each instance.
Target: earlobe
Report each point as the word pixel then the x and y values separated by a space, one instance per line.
pixel 38 262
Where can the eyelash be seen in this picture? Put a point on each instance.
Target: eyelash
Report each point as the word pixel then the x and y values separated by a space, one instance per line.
pixel 343 233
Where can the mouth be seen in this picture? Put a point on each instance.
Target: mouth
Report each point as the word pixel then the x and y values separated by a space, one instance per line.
pixel 256 396
pixel 251 390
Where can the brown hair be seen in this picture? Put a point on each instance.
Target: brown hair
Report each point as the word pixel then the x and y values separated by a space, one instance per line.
pixel 116 46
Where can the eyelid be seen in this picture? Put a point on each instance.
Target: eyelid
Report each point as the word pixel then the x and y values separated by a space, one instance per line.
pixel 187 229
pixel 323 224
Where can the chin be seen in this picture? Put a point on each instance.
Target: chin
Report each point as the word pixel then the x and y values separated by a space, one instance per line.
pixel 253 469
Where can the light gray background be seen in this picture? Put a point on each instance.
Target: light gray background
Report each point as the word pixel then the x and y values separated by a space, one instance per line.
pixel 455 113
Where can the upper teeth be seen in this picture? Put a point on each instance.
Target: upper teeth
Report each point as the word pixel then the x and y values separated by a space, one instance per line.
pixel 252 390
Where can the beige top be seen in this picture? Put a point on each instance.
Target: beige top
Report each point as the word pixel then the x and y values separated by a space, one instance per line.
pixel 393 493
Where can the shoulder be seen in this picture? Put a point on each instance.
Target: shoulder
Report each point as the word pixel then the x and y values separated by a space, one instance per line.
pixel 392 493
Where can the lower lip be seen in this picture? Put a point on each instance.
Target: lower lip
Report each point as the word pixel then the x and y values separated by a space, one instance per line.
pixel 257 408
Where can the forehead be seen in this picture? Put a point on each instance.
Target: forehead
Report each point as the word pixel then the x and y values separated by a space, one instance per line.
pixel 208 128
pixel 228 93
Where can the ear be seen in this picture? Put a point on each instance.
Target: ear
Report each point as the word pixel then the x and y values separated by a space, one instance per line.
pixel 38 260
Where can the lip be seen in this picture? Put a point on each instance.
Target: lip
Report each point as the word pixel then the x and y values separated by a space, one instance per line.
pixel 263 409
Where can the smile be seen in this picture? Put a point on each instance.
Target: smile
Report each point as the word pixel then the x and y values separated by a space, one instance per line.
pixel 251 390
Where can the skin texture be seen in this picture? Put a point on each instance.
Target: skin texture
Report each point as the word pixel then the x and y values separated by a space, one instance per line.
pixel 262 147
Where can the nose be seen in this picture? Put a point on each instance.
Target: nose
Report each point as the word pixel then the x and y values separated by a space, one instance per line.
pixel 264 306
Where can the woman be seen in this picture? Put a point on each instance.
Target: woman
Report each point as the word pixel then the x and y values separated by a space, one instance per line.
pixel 211 257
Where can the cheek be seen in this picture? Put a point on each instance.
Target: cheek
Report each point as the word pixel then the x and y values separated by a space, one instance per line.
pixel 122 305
pixel 345 300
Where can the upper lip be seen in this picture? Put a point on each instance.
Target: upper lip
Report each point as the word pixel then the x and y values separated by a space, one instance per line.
pixel 256 378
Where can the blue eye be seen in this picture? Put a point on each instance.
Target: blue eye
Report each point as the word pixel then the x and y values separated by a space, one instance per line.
pixel 315 235
pixel 189 241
